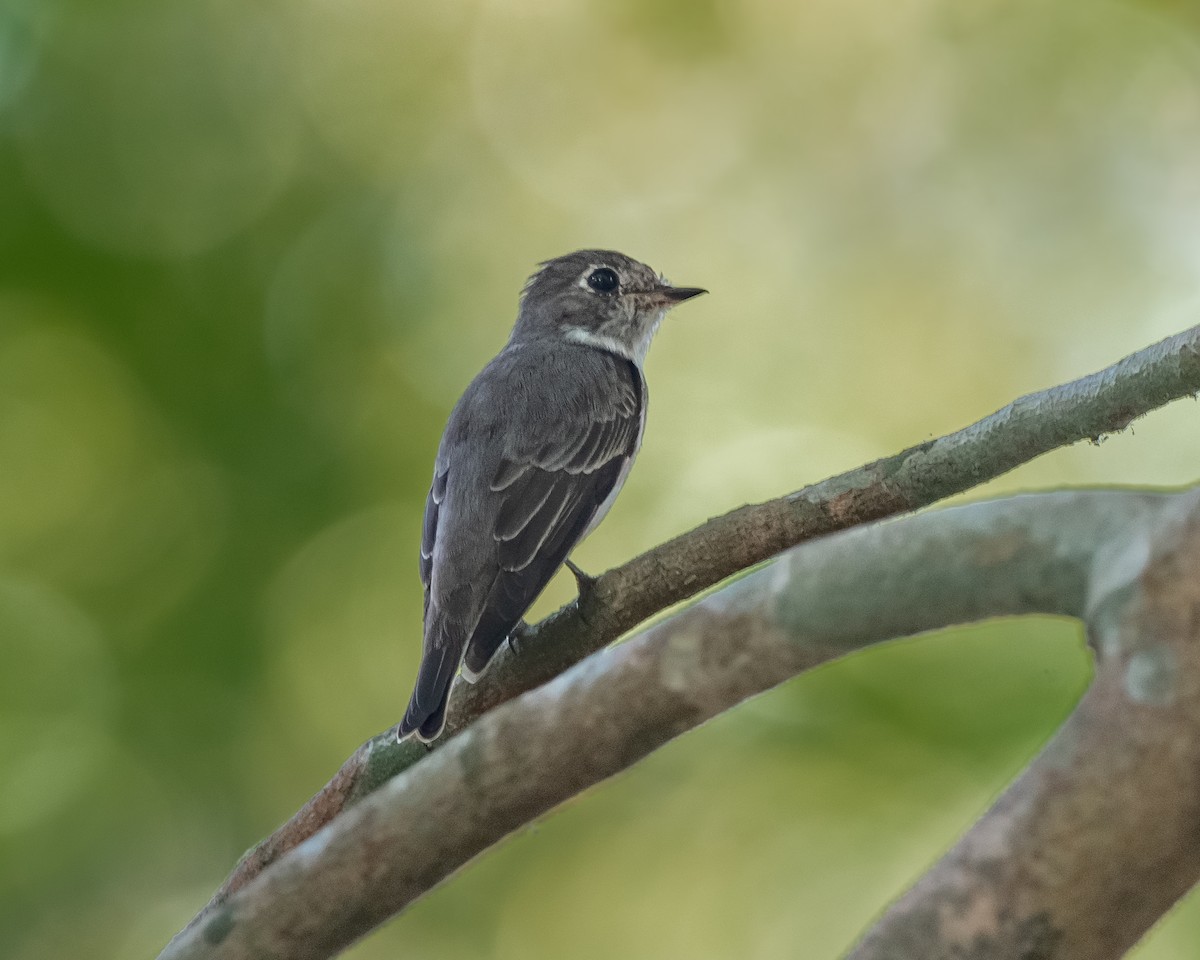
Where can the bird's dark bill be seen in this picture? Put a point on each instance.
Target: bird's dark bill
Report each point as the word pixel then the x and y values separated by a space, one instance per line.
pixel 679 294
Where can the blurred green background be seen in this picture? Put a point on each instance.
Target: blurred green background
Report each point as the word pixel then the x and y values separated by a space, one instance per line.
pixel 252 250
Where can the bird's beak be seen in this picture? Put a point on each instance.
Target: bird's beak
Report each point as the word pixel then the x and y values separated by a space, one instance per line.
pixel 668 296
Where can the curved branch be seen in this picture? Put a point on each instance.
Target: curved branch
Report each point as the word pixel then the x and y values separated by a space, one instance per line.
pixel 1087 408
pixel 1026 554
pixel 1097 839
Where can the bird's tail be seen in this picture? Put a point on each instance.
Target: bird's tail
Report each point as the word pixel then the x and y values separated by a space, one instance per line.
pixel 445 641
pixel 501 614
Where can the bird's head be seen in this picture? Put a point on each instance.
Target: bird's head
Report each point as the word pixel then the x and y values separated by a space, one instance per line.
pixel 600 298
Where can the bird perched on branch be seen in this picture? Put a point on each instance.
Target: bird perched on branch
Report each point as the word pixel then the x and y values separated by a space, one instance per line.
pixel 533 456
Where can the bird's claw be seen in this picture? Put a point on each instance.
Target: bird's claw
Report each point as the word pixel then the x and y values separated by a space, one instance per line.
pixel 585 583
pixel 516 636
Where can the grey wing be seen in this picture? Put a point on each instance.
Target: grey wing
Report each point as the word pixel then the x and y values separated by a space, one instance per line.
pixel 549 492
pixel 433 505
pixel 547 484
pixel 445 640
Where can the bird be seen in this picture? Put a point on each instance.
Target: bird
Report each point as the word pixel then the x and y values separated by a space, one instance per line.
pixel 531 459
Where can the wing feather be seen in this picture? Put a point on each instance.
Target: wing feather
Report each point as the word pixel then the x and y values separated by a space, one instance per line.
pixel 515 522
pixel 551 492
pixel 510 472
pixel 433 503
pixel 522 577
pixel 563 495
pixel 523 501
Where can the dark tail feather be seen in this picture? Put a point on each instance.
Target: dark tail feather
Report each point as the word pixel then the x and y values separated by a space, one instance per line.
pixel 431 729
pixel 502 613
pixel 426 713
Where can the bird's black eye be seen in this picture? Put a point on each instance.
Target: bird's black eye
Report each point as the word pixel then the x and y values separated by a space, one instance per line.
pixel 602 280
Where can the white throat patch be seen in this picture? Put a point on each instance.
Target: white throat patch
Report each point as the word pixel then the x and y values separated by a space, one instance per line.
pixel 604 342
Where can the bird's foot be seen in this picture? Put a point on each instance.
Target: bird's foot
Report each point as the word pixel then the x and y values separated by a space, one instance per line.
pixel 516 636
pixel 585 583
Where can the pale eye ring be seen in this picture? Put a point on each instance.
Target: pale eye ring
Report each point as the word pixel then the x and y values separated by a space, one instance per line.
pixel 603 280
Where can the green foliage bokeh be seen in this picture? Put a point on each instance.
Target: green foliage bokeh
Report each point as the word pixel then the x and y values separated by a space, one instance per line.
pixel 252 250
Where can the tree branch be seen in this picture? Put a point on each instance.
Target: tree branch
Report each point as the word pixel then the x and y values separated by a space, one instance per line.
pixel 1026 554
pixel 1097 839
pixel 1088 408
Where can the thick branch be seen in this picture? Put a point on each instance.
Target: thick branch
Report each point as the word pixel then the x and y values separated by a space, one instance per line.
pixel 1102 403
pixel 1030 554
pixel 1098 838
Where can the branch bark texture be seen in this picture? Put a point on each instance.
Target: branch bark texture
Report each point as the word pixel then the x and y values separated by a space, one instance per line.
pixel 1088 408
pixel 1116 559
pixel 1098 838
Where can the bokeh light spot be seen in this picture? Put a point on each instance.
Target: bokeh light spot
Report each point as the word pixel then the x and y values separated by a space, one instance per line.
pixel 594 121
pixel 54 709
pixel 94 494
pixel 179 136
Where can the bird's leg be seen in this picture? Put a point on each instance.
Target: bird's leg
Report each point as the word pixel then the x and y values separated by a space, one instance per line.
pixel 585 583
pixel 516 635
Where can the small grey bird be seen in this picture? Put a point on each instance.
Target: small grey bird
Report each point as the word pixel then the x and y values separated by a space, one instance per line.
pixel 533 456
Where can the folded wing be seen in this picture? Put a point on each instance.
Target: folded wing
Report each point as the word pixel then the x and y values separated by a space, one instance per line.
pixel 549 480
